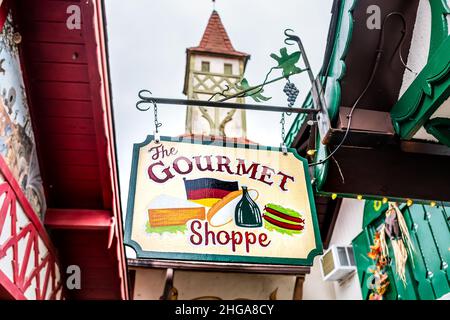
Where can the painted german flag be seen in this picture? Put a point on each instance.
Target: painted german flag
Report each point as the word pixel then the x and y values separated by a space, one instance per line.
pixel 208 191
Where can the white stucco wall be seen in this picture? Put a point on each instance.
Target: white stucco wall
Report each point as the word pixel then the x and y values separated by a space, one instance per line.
pixel 448 17
pixel 216 81
pixel 418 57
pixel 149 285
pixel 314 288
pixel 216 64
pixel 420 45
pixel 348 226
pixel 7 264
pixel 442 112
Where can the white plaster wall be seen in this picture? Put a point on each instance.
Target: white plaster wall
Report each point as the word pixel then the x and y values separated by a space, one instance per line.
pixel 231 286
pixel 216 64
pixel 442 112
pixel 5 233
pixel 6 261
pixel 348 226
pixel 420 45
pixel 448 18
pixel 418 57
pixel 234 128
pixel 314 287
pixel 149 285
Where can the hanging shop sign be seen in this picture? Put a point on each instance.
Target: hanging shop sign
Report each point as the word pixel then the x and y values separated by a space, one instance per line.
pixel 220 202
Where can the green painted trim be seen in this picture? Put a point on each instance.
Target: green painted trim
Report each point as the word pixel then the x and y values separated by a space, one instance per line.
pixel 337 67
pixel 377 197
pixel 298 121
pixel 320 170
pixel 332 79
pixel 439 25
pixel 426 273
pixel 425 95
pixel 215 257
pixel 336 73
pixel 373 209
pixel 440 129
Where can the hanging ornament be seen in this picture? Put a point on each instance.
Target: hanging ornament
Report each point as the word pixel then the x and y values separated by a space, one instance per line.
pixel 396 229
pixel 378 282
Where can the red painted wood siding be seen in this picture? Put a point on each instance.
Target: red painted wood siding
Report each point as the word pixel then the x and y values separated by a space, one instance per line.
pixel 34 273
pixel 62 105
pixel 68 83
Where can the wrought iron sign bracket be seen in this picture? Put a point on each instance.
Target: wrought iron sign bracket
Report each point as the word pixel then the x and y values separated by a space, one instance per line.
pixel 144 99
pixel 322 117
pixel 287 63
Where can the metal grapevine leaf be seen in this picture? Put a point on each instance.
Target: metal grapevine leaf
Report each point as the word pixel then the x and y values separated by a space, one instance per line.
pixel 287 61
pixel 255 94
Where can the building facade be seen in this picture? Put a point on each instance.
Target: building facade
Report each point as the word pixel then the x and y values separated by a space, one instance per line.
pixel 60 219
pixel 386 81
pixel 378 166
pixel 211 67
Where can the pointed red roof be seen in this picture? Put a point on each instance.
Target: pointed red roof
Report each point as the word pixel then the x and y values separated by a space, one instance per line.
pixel 215 39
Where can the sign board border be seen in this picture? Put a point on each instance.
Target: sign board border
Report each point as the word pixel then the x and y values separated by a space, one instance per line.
pixel 216 257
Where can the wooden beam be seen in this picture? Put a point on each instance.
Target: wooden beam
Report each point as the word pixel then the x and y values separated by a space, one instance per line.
pixel 361 138
pixel 302 134
pixel 425 147
pixel 366 120
pixel 78 219
pixel 389 172
pixel 298 289
pixel 331 216
pixel 9 290
pixel 92 40
pixel 219 266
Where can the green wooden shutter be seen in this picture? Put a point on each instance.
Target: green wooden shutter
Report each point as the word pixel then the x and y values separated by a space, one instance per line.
pixel 430 232
pixel 361 246
pixel 427 272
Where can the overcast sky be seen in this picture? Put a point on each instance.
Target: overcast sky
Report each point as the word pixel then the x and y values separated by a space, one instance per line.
pixel 147 50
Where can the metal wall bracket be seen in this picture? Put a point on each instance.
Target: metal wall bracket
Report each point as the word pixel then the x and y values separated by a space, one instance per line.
pixel 227 105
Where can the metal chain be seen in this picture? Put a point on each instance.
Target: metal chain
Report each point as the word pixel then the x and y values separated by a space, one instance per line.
pixel 145 104
pixel 157 124
pixel 283 135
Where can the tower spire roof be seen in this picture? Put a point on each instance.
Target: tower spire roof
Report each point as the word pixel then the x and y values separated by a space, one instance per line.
pixel 215 39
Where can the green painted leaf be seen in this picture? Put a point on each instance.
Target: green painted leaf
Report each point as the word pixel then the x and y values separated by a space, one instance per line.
pixel 287 61
pixel 255 94
pixel 170 229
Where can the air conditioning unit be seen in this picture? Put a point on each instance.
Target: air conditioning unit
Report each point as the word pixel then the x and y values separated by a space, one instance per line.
pixel 337 263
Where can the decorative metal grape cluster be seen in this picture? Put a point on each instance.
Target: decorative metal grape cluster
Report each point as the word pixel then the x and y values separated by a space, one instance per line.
pixel 292 92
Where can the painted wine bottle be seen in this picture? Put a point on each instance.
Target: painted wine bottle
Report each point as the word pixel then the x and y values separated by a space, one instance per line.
pixel 247 213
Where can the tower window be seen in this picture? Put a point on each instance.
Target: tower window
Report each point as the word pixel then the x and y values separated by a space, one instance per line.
pixel 228 68
pixel 205 66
